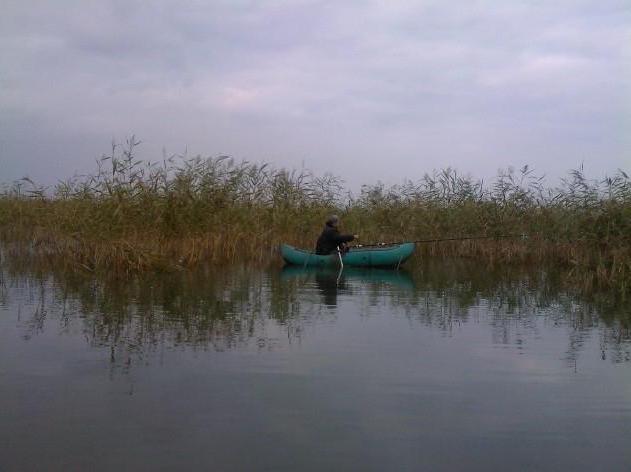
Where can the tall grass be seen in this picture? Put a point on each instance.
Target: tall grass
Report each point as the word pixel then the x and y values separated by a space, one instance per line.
pixel 134 215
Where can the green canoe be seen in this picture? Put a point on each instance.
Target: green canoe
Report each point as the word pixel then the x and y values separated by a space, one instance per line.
pixel 369 256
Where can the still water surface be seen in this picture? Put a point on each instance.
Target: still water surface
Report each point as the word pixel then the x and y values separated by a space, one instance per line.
pixel 451 366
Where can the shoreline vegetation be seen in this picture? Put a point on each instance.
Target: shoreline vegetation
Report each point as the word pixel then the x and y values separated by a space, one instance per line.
pixel 132 216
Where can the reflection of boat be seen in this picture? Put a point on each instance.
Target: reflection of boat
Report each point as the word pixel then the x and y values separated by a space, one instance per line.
pixel 395 278
pixel 373 256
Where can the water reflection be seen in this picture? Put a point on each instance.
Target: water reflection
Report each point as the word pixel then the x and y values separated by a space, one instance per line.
pixel 241 308
pixel 383 370
pixel 331 282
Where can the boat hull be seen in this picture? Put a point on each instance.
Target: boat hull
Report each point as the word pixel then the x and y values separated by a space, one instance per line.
pixel 378 256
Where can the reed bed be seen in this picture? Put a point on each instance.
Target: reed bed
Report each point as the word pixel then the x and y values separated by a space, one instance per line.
pixel 131 215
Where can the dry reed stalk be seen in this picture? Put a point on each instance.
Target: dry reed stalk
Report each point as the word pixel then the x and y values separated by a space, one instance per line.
pixel 131 216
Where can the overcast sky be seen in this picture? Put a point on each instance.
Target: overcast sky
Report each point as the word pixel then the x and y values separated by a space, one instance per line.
pixel 368 90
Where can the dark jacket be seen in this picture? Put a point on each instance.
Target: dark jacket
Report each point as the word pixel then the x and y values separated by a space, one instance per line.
pixel 330 239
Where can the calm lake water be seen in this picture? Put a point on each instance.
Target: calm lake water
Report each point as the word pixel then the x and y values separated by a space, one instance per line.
pixel 450 366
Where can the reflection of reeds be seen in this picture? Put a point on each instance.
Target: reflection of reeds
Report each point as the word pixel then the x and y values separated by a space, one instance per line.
pixel 242 308
pixel 132 215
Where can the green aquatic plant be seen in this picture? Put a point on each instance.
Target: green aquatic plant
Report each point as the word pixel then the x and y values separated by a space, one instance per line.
pixel 133 215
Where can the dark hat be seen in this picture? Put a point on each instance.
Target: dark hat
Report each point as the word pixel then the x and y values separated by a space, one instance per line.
pixel 332 220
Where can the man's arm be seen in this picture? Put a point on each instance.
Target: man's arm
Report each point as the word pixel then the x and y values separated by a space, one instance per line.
pixel 344 238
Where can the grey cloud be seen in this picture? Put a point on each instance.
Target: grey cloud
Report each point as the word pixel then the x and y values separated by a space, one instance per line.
pixel 475 85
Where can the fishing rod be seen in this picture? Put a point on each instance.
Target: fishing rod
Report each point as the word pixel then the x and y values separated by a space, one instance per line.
pixel 438 240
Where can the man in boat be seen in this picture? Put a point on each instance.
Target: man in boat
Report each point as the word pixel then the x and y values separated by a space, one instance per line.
pixel 331 239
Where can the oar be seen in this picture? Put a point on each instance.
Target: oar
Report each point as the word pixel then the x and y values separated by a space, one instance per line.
pixel 339 254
